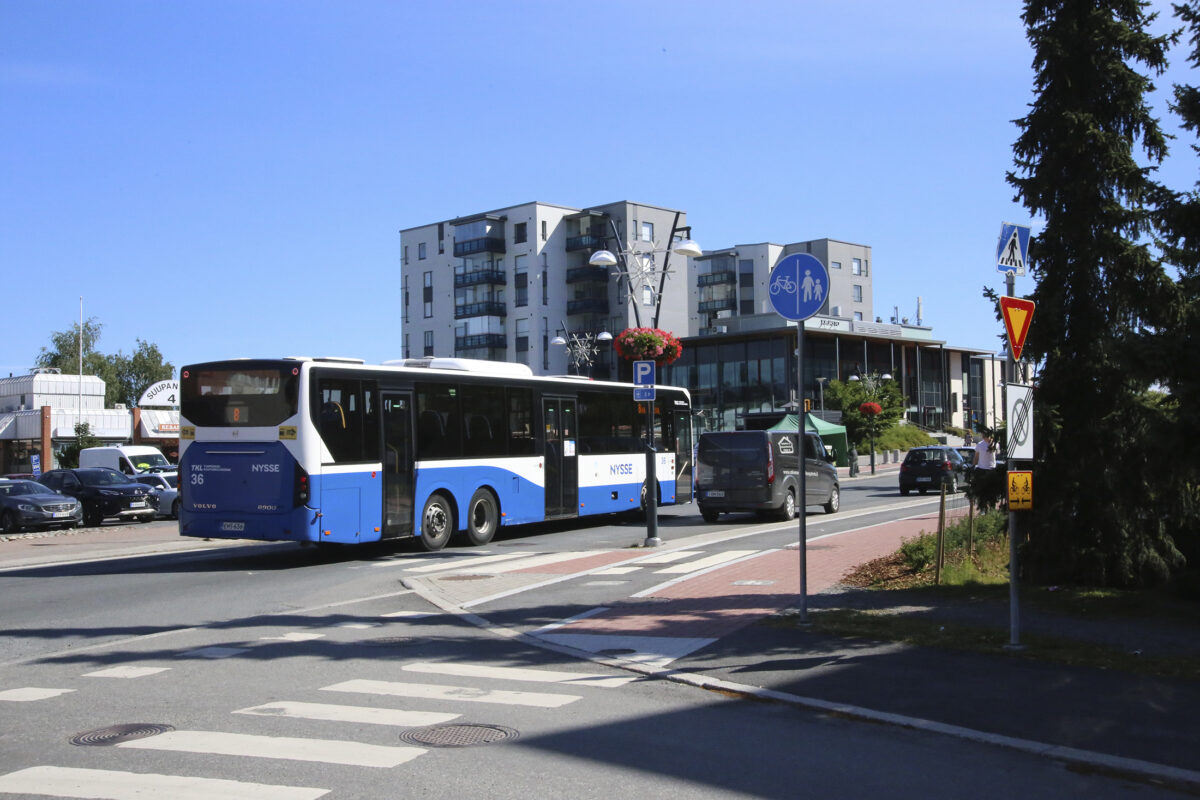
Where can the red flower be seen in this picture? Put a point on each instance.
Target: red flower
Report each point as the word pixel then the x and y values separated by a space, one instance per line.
pixel 648 344
pixel 870 409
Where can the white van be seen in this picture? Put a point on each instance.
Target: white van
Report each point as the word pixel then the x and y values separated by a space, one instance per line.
pixel 132 459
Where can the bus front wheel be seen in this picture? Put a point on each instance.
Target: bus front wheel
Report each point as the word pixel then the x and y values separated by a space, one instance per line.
pixel 483 515
pixel 437 523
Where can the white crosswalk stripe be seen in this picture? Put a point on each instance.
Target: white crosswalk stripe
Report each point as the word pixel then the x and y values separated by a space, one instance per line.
pixel 356 714
pixel 464 694
pixel 113 785
pixel 329 751
pixel 705 563
pixel 520 674
pixel 31 693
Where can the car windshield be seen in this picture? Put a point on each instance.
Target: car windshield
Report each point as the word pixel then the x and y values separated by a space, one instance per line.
pixel 101 477
pixel 14 488
pixel 147 462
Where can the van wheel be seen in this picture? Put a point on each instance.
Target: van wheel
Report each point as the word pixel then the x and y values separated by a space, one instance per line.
pixel 709 514
pixel 788 509
pixel 905 491
pixel 483 516
pixel 835 501
pixel 437 523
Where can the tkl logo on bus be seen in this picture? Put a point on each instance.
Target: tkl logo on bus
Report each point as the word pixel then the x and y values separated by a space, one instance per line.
pixel 621 469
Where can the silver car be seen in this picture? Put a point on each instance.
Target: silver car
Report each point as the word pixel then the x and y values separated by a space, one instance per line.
pixel 166 493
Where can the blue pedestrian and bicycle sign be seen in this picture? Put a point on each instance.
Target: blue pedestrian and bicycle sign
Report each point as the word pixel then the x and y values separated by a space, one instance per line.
pixel 643 380
pixel 799 286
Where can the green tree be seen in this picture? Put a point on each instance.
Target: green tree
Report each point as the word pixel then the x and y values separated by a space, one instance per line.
pixel 125 377
pixel 68 457
pixel 1101 296
pixel 847 396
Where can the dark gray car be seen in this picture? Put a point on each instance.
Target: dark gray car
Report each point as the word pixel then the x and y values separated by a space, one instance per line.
pixel 760 471
pixel 926 468
pixel 28 504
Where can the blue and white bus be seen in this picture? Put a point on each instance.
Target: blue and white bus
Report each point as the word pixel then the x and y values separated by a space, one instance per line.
pixel 338 451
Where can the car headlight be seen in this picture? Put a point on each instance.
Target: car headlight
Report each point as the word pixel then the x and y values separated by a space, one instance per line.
pixel 109 492
pixel 27 507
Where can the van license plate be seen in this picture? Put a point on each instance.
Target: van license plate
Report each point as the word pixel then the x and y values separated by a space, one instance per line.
pixel 715 493
pixel 233 526
pixel 924 480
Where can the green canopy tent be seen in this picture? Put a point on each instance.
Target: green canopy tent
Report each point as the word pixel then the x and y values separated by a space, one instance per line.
pixel 832 435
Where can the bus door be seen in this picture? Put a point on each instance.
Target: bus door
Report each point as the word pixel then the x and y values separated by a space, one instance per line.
pixel 562 464
pixel 684 463
pixel 397 465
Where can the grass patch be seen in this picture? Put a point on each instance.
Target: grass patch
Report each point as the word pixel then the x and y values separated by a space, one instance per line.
pixel 887 626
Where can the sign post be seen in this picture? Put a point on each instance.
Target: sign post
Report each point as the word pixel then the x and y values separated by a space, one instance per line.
pixel 799 287
pixel 1012 253
pixel 643 392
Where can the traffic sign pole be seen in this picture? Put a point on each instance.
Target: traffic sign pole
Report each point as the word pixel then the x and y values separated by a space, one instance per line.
pixel 1014 608
pixel 644 378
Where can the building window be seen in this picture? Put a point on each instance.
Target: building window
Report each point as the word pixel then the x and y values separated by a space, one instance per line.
pixel 521 280
pixel 856 266
pixel 427 294
pixel 858 316
pixel 519 235
pixel 405 254
pixel 545 288
pixel 428 343
pixel 421 251
pixel 521 344
pixel 856 293
pixel 404 349
pixel 543 230
pixel 647 295
pixel 835 265
pixel 647 231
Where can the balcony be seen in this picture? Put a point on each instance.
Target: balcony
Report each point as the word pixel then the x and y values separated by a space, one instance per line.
pixel 480 276
pixel 492 341
pixel 488 308
pixel 588 241
pixel 591 305
pixel 716 278
pixel 723 304
pixel 589 273
pixel 486 244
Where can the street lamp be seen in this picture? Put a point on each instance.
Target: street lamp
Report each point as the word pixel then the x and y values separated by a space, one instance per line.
pixel 582 348
pixel 872 384
pixel 821 385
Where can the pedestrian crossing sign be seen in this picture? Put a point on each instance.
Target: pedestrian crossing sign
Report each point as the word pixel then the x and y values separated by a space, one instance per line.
pixel 1020 491
pixel 1013 249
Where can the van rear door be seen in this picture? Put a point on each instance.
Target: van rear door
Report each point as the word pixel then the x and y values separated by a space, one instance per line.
pixel 732 467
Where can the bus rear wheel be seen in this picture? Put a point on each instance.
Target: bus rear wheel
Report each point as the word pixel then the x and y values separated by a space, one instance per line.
pixel 483 516
pixel 437 523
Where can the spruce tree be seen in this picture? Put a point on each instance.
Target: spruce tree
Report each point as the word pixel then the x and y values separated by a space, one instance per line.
pixel 1101 295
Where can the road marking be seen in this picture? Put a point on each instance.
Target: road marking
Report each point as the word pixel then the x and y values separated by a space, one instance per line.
pixel 705 563
pixel 411 614
pixel 328 751
pixel 466 694
pixel 294 636
pixel 110 785
pixel 357 625
pixel 358 714
pixel 31 693
pixel 618 571
pixel 461 562
pixel 667 558
pixel 650 651
pixel 126 672
pixel 519 674
pixel 216 652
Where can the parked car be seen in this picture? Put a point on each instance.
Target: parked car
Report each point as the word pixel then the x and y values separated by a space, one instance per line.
pixel 926 468
pixel 103 492
pixel 968 454
pixel 760 471
pixel 166 492
pixel 29 504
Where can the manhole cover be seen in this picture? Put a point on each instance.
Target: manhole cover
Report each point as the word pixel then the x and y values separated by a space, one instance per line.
pixel 115 734
pixel 459 735
pixel 468 577
pixel 388 641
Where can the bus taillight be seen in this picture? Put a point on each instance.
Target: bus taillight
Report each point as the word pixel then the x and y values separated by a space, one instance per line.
pixel 300 487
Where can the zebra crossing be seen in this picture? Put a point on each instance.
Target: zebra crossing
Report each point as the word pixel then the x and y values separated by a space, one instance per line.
pixel 468 684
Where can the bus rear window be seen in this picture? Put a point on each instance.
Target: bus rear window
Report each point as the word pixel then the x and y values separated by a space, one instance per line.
pixel 237 396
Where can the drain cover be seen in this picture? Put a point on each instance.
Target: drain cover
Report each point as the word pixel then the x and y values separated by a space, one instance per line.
pixel 459 735
pixel 115 734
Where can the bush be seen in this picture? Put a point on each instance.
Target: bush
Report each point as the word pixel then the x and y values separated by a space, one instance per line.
pixel 900 437
pixel 921 551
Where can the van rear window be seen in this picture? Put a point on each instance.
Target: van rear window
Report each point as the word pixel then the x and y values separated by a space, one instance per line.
pixel 732 449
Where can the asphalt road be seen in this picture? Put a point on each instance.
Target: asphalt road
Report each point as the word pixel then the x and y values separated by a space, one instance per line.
pixel 302 672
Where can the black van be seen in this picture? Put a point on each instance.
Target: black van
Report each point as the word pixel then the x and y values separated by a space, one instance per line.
pixel 759 471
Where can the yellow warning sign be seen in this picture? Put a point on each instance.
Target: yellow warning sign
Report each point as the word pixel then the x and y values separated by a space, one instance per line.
pixel 1020 491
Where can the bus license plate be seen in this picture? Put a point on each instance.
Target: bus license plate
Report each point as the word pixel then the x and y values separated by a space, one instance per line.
pixel 233 526
pixel 715 493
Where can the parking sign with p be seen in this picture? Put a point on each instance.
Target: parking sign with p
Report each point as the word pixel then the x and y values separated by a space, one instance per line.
pixel 643 380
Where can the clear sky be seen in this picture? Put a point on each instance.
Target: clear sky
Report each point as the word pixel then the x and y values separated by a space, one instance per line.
pixel 228 178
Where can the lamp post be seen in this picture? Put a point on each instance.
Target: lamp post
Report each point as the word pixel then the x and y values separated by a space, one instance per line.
pixel 821 386
pixel 582 348
pixel 871 384
pixel 640 263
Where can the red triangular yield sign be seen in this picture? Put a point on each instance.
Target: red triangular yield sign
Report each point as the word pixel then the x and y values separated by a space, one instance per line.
pixel 1017 316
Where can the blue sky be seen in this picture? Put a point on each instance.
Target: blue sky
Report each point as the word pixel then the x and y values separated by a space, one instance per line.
pixel 229 179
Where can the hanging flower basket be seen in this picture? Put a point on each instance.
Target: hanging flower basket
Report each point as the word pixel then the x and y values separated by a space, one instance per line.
pixel 870 409
pixel 648 344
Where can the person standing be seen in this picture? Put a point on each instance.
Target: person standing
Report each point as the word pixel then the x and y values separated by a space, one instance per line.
pixel 985 452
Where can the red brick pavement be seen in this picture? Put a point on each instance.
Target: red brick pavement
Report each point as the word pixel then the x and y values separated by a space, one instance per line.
pixel 720 601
